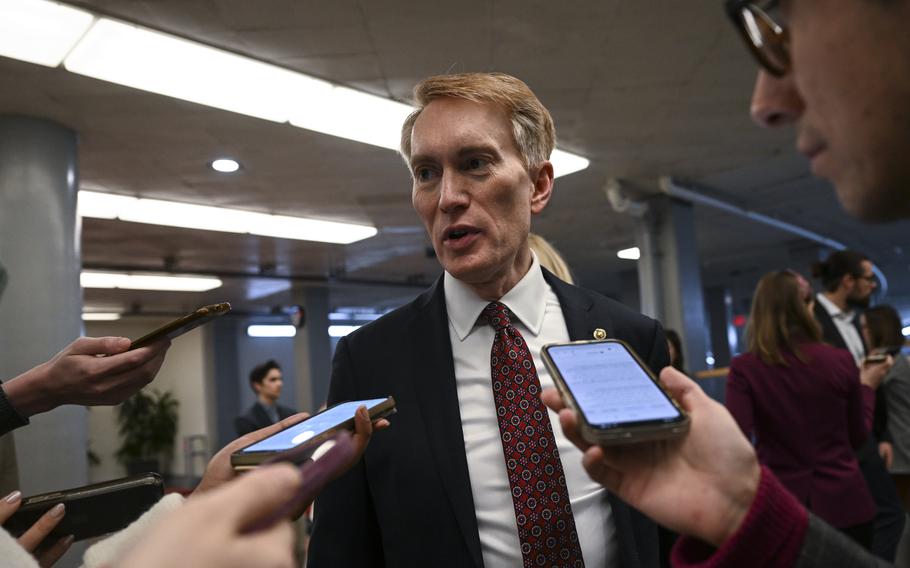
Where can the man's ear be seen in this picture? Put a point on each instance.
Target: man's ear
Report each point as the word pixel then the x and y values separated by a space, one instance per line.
pixel 542 189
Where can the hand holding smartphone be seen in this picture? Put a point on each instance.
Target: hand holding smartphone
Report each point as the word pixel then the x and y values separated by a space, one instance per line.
pixel 92 510
pixel 183 324
pixel 297 443
pixel 617 398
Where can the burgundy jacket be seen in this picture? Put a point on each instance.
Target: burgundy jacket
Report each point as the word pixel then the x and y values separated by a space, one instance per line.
pixel 806 420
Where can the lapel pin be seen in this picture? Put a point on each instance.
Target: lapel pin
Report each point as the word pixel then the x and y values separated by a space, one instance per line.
pixel 600 334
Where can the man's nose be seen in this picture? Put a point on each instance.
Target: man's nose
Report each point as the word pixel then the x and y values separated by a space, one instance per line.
pixel 775 101
pixel 453 192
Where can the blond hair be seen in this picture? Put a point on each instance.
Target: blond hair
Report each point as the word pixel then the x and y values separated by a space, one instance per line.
pixel 532 125
pixel 550 258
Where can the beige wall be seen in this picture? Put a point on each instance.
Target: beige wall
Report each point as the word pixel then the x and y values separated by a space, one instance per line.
pixel 184 374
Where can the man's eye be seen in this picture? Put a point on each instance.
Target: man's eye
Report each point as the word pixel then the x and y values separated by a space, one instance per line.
pixel 477 163
pixel 423 174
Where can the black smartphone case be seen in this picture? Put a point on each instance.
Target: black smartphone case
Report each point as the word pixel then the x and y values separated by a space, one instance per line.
pixel 93 510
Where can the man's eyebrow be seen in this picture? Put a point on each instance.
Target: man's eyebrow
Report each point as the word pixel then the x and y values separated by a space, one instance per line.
pixel 478 149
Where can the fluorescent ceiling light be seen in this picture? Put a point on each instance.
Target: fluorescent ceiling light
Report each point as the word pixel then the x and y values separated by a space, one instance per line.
pixel 341 330
pixel 40 32
pixel 353 316
pixel 271 331
pixel 161 63
pixel 354 115
pixel 100 316
pixel 225 165
pixel 565 163
pixel 189 216
pixel 125 281
pixel 629 254
pixel 906 331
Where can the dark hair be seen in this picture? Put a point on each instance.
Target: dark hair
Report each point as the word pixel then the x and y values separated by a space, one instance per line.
pixel 838 265
pixel 680 363
pixel 884 325
pixel 260 371
pixel 780 318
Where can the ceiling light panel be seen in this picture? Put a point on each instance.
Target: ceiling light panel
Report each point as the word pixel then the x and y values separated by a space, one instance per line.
pixel 160 63
pixel 203 217
pixel 162 282
pixel 40 32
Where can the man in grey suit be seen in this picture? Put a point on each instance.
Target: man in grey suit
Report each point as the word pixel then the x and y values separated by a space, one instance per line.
pixel 839 71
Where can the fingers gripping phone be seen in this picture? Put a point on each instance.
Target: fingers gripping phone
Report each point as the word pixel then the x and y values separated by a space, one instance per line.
pixel 617 398
pixel 182 325
pixel 298 442
pixel 93 510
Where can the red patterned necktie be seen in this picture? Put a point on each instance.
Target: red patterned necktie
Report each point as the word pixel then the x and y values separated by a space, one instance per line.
pixel 543 513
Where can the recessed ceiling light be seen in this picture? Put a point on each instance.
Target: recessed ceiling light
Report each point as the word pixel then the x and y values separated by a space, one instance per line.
pixel 225 165
pixel 629 254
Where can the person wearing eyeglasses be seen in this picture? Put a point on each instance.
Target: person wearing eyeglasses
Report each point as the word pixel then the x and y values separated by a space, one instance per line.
pixel 838 71
pixel 847 283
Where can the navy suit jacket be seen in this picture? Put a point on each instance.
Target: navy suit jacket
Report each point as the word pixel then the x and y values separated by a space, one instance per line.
pixel 256 418
pixel 408 502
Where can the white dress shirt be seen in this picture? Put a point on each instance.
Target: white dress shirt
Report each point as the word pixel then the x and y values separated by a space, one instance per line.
pixel 539 319
pixel 844 323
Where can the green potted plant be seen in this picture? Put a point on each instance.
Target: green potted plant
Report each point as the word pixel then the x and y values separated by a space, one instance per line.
pixel 148 425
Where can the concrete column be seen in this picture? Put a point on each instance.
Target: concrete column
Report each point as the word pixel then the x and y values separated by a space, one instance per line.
pixel 724 339
pixel 312 349
pixel 670 274
pixel 40 311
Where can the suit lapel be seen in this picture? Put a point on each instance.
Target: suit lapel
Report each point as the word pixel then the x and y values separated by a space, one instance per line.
pixel 434 382
pixel 582 319
pixel 577 309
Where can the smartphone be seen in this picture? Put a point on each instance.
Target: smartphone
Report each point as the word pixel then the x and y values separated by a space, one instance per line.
pixel 617 398
pixel 182 325
pixel 92 510
pixel 876 358
pixel 298 442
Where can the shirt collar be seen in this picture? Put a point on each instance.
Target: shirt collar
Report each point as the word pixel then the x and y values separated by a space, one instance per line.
pixel 526 300
pixel 832 308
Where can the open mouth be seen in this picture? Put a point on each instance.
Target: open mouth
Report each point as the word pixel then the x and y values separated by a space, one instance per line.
pixel 459 234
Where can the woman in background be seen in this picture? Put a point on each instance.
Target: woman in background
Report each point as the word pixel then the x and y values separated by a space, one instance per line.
pixel 805 404
pixel 550 258
pixel 882 332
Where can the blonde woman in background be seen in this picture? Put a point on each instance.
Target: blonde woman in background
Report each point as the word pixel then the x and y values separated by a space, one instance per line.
pixel 550 258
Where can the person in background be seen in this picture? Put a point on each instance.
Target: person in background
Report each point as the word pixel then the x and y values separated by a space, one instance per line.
pixel 550 258
pixel 805 404
pixel 266 381
pixel 674 344
pixel 848 282
pixel 882 329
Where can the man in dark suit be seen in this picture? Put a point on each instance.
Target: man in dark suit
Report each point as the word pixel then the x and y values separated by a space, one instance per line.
pixel 437 488
pixel 847 283
pixel 266 381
